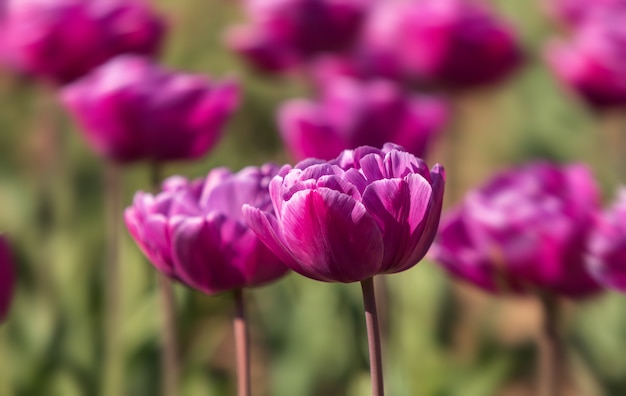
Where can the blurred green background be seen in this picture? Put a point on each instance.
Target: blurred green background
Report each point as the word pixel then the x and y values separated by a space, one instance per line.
pixel 308 337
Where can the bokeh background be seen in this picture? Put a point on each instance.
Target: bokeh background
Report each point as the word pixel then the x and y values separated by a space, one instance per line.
pixel 441 338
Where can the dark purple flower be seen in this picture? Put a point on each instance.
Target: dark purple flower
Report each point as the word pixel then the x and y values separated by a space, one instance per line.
pixel 194 231
pixel 524 231
pixel 6 277
pixel 62 40
pixel 283 33
pixel 131 109
pixel 367 212
pixel 352 114
pixel 593 63
pixel 607 246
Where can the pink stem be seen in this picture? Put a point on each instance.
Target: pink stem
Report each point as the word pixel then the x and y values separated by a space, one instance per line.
pixel 242 346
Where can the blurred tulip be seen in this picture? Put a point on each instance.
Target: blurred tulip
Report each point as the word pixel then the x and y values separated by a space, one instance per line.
pixel 352 114
pixel 607 246
pixel 524 231
pixel 194 231
pixel 6 277
pixel 593 64
pixel 131 109
pixel 62 40
pixel 367 212
pixel 458 44
pixel 285 32
pixel 574 12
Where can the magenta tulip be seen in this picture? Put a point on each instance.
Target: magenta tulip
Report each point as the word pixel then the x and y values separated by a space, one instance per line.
pixel 367 212
pixel 6 278
pixel 194 231
pixel 352 114
pixel 524 231
pixel 131 109
pixel 62 40
pixel 575 12
pixel 286 32
pixel 593 63
pixel 607 246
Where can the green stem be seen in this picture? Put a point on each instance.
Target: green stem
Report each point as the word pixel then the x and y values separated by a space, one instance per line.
pixel 551 351
pixel 373 337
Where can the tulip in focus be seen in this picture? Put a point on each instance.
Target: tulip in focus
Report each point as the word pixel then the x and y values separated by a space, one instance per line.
pixel 524 231
pixel 194 231
pixel 131 109
pixel 352 114
pixel 458 44
pixel 593 63
pixel 607 246
pixel 62 40
pixel 6 277
pixel 283 33
pixel 367 212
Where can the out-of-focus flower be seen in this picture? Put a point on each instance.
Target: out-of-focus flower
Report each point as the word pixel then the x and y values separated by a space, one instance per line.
pixel 194 231
pixel 524 231
pixel 352 114
pixel 593 64
pixel 6 277
pixel 367 212
pixel 457 44
pixel 283 33
pixel 131 109
pixel 607 246
pixel 574 12
pixel 62 40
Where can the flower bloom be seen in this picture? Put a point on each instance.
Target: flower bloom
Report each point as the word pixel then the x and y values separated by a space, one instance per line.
pixel 352 114
pixel 130 109
pixel 62 40
pixel 525 230
pixel 593 64
pixel 6 277
pixel 457 44
pixel 367 212
pixel 607 246
pixel 194 232
pixel 282 33
pixel 575 12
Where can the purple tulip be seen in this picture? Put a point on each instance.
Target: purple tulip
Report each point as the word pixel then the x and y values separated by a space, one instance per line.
pixel 194 231
pixel 62 40
pixel 575 12
pixel 352 114
pixel 131 109
pixel 367 212
pixel 593 64
pixel 285 32
pixel 607 246
pixel 6 277
pixel 525 230
pixel 457 44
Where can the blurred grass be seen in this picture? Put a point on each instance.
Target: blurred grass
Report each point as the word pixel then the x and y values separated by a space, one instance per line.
pixel 309 338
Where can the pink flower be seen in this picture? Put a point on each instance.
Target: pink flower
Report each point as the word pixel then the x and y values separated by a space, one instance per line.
pixel 6 277
pixel 194 231
pixel 524 231
pixel 131 109
pixel 607 246
pixel 351 114
pixel 575 12
pixel 62 40
pixel 283 33
pixel 593 64
pixel 367 212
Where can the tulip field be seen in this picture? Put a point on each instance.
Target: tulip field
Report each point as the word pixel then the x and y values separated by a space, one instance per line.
pixel 312 198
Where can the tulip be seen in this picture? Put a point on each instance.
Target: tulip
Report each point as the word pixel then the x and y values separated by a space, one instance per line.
pixel 524 231
pixel 607 246
pixel 131 109
pixel 593 63
pixel 286 32
pixel 458 44
pixel 62 40
pixel 574 12
pixel 352 114
pixel 6 278
pixel 367 212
